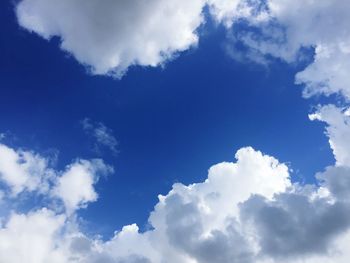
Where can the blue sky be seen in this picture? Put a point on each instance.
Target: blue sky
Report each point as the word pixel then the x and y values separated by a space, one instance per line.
pixel 171 122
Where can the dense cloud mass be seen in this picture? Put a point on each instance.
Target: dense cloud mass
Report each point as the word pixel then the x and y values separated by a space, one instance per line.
pixel 246 211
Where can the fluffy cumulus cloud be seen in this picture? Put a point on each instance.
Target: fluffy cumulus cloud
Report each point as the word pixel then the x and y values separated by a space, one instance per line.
pixel 26 172
pixel 32 238
pixel 282 28
pixel 245 211
pixel 75 186
pixel 23 170
pixel 112 35
pixel 323 25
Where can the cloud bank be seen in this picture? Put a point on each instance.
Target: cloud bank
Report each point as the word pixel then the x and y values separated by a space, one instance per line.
pixel 245 211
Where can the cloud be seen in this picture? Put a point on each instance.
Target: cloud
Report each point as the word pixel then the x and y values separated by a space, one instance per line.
pixel 245 211
pixel 323 25
pixel 304 223
pixel 283 28
pixel 293 227
pixel 32 238
pixel 110 36
pixel 226 12
pixel 103 135
pixel 28 172
pixel 338 121
pixel 179 219
pixel 23 170
pixel 75 186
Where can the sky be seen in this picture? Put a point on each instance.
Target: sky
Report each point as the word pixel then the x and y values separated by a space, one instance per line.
pixel 174 131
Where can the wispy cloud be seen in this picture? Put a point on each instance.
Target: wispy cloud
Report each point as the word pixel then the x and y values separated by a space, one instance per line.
pixel 102 135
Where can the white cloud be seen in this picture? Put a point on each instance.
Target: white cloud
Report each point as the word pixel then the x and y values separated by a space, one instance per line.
pixel 32 238
pixel 324 25
pixel 112 35
pixel 282 27
pixel 23 170
pixel 329 73
pixel 186 221
pixel 338 129
pixel 75 187
pixel 246 211
pixel 225 10
pixel 103 135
